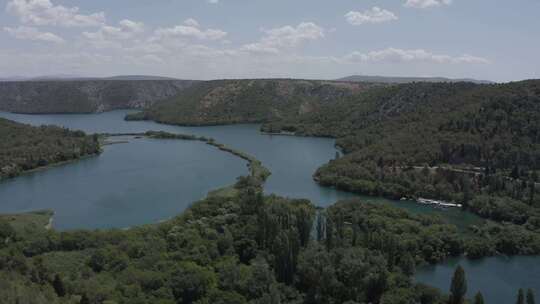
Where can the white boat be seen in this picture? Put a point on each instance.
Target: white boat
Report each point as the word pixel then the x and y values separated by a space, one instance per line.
pixel 426 201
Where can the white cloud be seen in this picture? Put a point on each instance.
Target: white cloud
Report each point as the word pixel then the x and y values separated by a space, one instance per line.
pixel 43 12
pixel 427 3
pixel 127 29
pixel 31 33
pixel 190 30
pixel 213 1
pixel 131 26
pixel 285 37
pixel 373 15
pixel 147 48
pixel 394 55
pixel 293 36
pixel 192 22
pixel 110 36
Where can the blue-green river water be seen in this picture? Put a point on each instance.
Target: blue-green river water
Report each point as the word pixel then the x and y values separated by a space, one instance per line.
pixel 159 173
pixel 147 180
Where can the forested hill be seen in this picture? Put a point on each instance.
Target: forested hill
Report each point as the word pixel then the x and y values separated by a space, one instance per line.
pixel 451 141
pixel 85 96
pixel 249 101
pixel 474 144
pixel 425 123
pixel 24 147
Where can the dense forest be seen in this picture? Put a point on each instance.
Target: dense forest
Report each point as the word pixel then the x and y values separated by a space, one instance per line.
pixel 248 101
pixel 85 95
pixel 24 147
pixel 474 144
pixel 234 247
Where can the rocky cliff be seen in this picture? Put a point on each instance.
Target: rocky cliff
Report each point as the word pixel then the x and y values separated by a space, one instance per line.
pixel 85 96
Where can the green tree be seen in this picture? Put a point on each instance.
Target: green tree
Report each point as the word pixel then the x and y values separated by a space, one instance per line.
pixel 84 299
pixel 58 286
pixel 479 298
pixel 458 287
pixel 467 192
pixel 520 297
pixel 6 232
pixel 532 190
pixel 321 226
pixel 515 172
pixel 530 296
pixel 190 282
pixel 329 237
pixel 407 264
pixel 427 294
pixel 97 261
pixel 534 176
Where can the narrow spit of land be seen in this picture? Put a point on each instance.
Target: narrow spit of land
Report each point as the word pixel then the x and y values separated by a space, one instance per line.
pixel 256 168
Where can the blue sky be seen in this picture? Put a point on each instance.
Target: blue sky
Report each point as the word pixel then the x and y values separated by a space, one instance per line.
pixel 207 39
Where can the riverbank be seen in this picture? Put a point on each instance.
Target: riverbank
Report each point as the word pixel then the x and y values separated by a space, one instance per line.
pixel 256 169
pixel 48 166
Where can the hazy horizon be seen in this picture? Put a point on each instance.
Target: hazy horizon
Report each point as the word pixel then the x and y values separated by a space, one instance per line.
pixel 216 39
pixel 112 76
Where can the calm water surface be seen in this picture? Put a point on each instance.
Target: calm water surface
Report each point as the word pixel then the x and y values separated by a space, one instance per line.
pixel 498 278
pixel 141 182
pixel 292 160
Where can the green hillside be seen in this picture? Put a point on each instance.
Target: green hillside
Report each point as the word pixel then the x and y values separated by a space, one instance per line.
pixel 248 101
pixel 474 144
pixel 23 147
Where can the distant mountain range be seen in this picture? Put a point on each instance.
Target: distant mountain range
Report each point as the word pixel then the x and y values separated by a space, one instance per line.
pixel 139 77
pixel 68 77
pixel 384 79
pixel 186 101
pixel 352 78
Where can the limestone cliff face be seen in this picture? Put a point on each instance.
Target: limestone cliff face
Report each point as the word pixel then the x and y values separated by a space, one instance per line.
pixel 85 96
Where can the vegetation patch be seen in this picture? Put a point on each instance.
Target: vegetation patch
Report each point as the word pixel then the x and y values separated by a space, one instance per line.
pixel 242 247
pixel 24 148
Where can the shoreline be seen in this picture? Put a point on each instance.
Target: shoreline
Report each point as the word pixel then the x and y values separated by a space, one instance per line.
pixel 255 167
pixel 49 166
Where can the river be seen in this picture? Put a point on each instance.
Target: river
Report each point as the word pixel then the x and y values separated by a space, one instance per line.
pixel 147 180
pixel 292 161
pixel 498 278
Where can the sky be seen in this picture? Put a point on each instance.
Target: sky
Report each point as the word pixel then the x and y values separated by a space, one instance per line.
pixel 318 39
